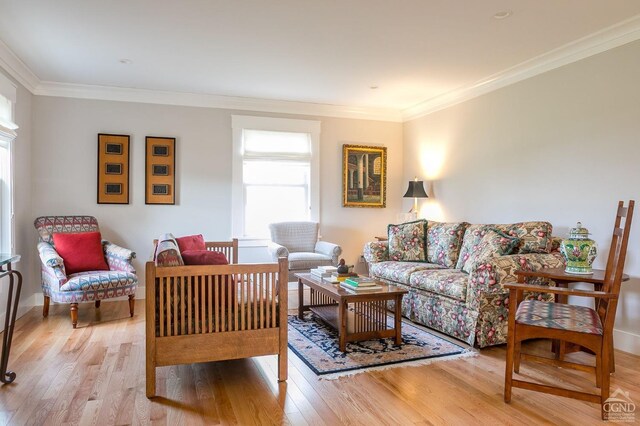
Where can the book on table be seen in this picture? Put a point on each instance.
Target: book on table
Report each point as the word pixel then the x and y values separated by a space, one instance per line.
pixel 361 281
pixel 319 273
pixel 360 289
pixel 330 269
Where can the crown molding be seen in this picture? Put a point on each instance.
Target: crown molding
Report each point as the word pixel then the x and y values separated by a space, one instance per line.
pixel 81 91
pixel 17 69
pixel 608 38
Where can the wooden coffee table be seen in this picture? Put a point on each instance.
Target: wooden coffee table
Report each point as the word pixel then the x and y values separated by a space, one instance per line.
pixel 356 316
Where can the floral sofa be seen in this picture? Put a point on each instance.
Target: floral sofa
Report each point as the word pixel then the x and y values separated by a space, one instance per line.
pixel 456 288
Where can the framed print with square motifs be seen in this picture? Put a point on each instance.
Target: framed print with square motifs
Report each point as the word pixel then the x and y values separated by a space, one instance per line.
pixel 113 169
pixel 364 176
pixel 160 173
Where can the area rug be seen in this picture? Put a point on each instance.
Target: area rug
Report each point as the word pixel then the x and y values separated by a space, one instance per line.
pixel 316 343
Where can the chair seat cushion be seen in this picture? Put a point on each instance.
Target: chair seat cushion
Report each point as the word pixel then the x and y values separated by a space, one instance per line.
pixel 447 282
pixel 559 316
pixel 306 260
pixel 98 280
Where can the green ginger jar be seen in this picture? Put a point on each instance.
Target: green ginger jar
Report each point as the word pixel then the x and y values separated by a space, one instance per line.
pixel 579 250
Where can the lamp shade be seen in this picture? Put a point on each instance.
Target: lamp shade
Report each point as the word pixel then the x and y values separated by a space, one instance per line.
pixel 416 190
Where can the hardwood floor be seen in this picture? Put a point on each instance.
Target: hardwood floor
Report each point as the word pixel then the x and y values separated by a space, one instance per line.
pixel 95 375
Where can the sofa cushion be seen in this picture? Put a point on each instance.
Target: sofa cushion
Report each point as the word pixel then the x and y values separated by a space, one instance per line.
pixel 298 261
pixel 204 257
pixel 472 237
pixel 447 282
pixel 399 271
pixel 167 252
pixel 407 241
pixel 444 241
pixel 535 237
pixel 493 244
pixel 191 242
pixel 81 251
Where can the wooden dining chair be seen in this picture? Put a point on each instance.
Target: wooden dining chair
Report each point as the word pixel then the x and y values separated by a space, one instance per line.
pixel 589 328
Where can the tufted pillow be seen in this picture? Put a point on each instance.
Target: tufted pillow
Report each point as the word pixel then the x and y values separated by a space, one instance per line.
pixel 167 252
pixel 407 241
pixel 444 241
pixel 493 244
pixel 81 251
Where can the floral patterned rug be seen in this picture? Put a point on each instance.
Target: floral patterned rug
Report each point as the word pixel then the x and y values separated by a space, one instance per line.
pixel 316 343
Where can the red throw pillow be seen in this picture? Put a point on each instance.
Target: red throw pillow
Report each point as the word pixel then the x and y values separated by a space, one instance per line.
pixel 81 251
pixel 204 257
pixel 191 242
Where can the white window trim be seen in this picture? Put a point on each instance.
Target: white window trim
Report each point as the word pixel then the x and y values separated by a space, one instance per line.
pixel 7 135
pixel 241 122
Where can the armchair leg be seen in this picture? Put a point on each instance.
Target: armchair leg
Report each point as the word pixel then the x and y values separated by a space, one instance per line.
pixel 132 303
pixel 97 303
pixel 74 314
pixel 45 307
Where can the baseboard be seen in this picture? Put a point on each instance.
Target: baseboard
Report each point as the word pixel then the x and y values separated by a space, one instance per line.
pixel 626 341
pixel 23 307
pixel 140 294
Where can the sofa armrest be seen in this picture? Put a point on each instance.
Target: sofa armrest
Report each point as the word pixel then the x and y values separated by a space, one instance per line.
pixel 489 277
pixel 52 265
pixel 276 251
pixel 329 249
pixel 118 258
pixel 376 251
pixel 48 255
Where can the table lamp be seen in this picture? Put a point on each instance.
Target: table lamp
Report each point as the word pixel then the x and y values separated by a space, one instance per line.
pixel 415 190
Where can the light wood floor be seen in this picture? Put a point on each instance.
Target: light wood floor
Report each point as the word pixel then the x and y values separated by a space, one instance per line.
pixel 95 375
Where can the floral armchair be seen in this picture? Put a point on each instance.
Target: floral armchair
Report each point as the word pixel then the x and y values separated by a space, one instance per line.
pixel 88 286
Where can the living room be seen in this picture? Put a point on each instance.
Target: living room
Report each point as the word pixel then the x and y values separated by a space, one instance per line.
pixel 511 124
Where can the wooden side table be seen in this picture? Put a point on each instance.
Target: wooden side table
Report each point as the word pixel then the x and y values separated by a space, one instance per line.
pixel 563 279
pixel 13 299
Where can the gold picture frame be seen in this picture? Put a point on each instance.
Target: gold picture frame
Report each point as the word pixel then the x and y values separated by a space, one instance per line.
pixel 160 173
pixel 364 176
pixel 113 169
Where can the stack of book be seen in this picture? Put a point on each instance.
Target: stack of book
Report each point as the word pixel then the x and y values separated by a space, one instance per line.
pixel 338 278
pixel 323 271
pixel 360 284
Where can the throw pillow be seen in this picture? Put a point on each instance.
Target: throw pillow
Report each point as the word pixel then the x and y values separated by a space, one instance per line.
pixel 493 244
pixel 444 241
pixel 204 257
pixel 191 242
pixel 167 252
pixel 81 252
pixel 407 241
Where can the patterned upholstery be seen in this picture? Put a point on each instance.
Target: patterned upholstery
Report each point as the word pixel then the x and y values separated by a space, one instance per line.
pixel 559 316
pixel 399 271
pixel 84 286
pixel 308 260
pixel 447 282
pixel 444 241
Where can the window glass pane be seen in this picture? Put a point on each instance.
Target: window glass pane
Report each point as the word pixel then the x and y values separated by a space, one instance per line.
pixel 267 204
pixel 262 141
pixel 275 172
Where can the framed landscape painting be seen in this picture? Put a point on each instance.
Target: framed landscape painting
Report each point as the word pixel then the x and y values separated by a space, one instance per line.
pixel 364 176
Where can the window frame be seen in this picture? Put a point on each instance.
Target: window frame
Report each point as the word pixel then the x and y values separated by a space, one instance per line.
pixel 8 134
pixel 239 123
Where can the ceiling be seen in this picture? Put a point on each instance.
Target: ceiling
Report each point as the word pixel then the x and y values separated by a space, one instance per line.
pixel 323 52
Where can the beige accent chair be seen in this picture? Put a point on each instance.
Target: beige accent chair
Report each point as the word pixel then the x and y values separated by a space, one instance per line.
pixel 298 241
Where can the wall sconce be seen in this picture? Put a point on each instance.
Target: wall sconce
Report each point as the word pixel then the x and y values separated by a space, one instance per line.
pixel 415 191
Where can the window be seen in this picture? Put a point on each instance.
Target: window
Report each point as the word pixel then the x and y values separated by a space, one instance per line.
pixel 275 172
pixel 7 135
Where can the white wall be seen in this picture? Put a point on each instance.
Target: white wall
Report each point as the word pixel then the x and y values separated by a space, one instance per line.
pixel 562 146
pixel 64 172
pixel 23 237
